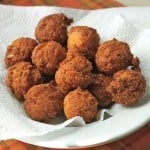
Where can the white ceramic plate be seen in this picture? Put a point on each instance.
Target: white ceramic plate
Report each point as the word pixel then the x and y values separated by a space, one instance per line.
pixel 97 133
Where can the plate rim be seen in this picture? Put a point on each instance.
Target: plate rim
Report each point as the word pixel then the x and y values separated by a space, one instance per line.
pixel 131 129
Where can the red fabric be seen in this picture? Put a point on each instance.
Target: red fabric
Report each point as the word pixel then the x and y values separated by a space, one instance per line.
pixel 84 4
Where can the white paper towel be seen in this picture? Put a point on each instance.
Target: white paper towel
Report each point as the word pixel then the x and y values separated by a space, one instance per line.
pixel 15 22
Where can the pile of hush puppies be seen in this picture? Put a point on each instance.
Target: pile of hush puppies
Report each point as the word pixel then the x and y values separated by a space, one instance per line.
pixel 69 72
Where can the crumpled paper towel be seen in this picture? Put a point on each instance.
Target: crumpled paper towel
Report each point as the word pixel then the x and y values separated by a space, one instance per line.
pixel 21 21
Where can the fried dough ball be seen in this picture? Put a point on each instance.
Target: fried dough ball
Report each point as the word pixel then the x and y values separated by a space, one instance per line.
pixel 98 89
pixel 21 77
pixel 83 40
pixel 127 87
pixel 73 73
pixel 43 102
pixel 52 28
pixel 20 50
pixel 82 103
pixel 47 56
pixel 113 56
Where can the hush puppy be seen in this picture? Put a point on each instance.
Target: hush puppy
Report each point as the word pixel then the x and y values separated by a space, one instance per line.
pixel 127 87
pixel 83 40
pixel 73 73
pixel 98 89
pixel 82 103
pixel 113 56
pixel 52 28
pixel 20 77
pixel 20 50
pixel 43 102
pixel 47 56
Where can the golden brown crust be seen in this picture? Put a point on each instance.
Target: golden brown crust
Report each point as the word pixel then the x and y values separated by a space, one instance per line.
pixel 98 89
pixel 43 102
pixel 113 56
pixel 83 40
pixel 21 77
pixel 73 73
pixel 20 50
pixel 127 87
pixel 80 103
pixel 47 56
pixel 135 62
pixel 52 28
pixel 87 76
